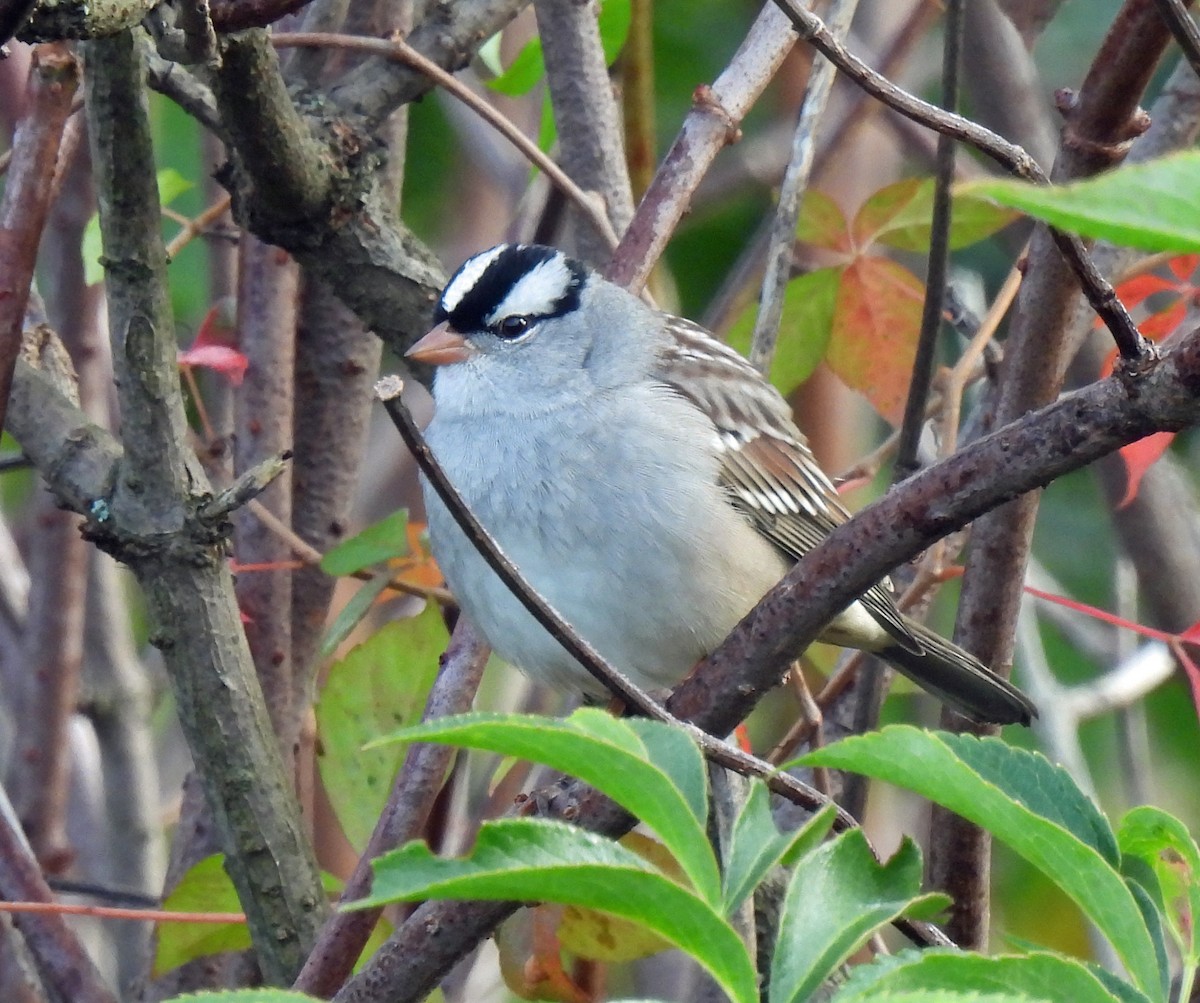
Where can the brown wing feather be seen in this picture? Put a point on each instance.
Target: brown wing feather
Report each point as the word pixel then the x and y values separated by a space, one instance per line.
pixel 767 466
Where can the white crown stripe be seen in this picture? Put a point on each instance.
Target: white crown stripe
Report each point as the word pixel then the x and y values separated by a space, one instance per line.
pixel 466 277
pixel 537 293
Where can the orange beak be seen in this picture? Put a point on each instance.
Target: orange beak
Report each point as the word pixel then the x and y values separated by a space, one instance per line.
pixel 441 346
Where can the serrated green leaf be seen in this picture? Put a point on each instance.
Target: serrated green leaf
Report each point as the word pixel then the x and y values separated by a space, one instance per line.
pixel 381 541
pixel 838 896
pixel 1167 850
pixel 929 764
pixel 804 327
pixel 756 845
pixel 609 754
pixel 1154 206
pixel 380 685
pixel 352 613
pixel 1042 787
pixel 204 888
pixel 953 996
pixel 1040 976
pixel 537 859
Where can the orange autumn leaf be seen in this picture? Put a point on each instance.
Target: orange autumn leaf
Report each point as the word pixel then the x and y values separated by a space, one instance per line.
pixel 876 323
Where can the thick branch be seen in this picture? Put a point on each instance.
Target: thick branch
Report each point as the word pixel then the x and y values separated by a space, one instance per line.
pixel 589 123
pixel 153 521
pixel 450 36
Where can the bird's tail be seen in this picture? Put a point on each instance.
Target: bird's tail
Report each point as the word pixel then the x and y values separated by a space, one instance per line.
pixel 959 678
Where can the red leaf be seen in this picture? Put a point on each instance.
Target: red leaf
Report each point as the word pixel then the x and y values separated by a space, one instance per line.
pixel 1139 457
pixel 1158 325
pixel 225 360
pixel 219 326
pixel 1192 634
pixel 876 323
pixel 1140 287
pixel 1184 266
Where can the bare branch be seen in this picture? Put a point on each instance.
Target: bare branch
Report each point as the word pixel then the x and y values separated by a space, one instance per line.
pixel 713 123
pixel 53 80
pixel 153 525
pixel 589 122
pixel 449 36
pixel 61 960
pixel 791 192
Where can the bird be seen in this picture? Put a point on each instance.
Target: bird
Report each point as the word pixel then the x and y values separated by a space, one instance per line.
pixel 649 483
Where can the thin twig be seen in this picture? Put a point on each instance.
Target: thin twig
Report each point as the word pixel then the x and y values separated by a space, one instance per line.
pixel 193 228
pixel 791 192
pixel 955 381
pixel 1134 349
pixel 404 53
pixel 1183 28
pixel 309 554
pixel 939 253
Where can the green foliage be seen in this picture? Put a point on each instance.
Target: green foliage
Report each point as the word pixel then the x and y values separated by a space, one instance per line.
pixel 380 684
pixel 857 896
pixel 1153 206
pixel 529 67
pixel 204 888
pixel 171 185
pixel 381 541
pixel 1132 883
pixel 1035 808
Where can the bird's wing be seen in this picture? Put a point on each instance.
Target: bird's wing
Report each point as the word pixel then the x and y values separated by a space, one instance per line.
pixel 766 464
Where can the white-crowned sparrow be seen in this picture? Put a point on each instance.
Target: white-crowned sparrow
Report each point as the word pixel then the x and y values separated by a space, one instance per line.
pixel 643 476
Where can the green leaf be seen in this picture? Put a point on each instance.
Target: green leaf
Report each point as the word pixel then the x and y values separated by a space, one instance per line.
pixel 204 888
pixel 838 896
pixel 529 65
pixel 613 25
pixel 353 612
pixel 1154 206
pixel 171 184
pixel 901 215
pixel 822 222
pixel 611 755
pixel 381 541
pixel 933 765
pixel 804 327
pixel 523 73
pixel 537 859
pixel 756 845
pixel 1039 976
pixel 1168 852
pixel 380 685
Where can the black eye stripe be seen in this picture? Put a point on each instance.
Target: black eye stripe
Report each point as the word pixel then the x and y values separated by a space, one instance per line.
pixel 502 274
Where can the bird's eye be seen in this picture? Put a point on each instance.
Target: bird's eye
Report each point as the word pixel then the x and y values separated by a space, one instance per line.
pixel 512 327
